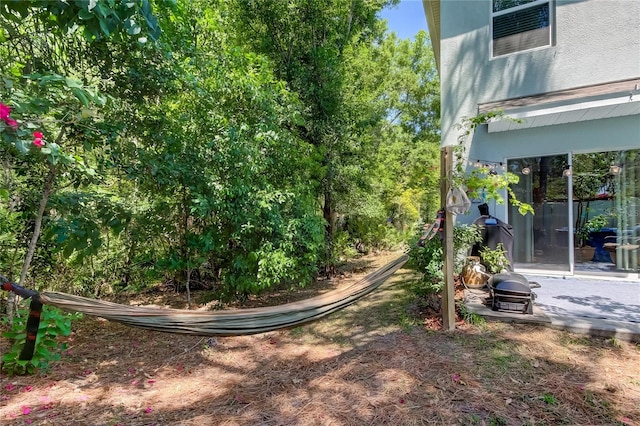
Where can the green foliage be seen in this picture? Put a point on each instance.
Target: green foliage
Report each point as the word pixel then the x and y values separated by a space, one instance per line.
pixel 322 50
pixel 594 224
pixel 464 237
pixel 549 399
pixel 53 325
pixel 343 246
pixel 222 153
pixel 484 180
pixel 495 259
pixel 429 259
pixel 98 19
pixel 488 183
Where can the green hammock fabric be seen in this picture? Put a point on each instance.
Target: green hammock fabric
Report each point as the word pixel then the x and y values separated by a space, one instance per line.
pixel 230 322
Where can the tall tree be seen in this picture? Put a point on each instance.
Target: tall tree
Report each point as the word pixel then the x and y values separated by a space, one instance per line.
pixel 309 42
pixel 409 150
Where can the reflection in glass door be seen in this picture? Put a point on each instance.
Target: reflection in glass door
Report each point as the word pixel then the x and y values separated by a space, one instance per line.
pixel 544 240
pixel 606 204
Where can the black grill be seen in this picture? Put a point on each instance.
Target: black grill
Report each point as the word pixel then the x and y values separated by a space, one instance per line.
pixel 511 293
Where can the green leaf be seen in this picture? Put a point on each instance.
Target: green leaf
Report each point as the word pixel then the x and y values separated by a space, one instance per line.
pixel 23 146
pixel 70 83
pixel 49 343
pixel 85 15
pixel 68 251
pixel 80 94
pixel 104 26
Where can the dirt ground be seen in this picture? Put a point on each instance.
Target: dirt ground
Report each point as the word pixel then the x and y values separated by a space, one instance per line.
pixel 373 363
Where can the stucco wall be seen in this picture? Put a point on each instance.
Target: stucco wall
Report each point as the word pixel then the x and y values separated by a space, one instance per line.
pixel 595 41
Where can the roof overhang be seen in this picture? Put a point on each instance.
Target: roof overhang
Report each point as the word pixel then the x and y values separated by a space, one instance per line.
pixel 569 106
pixel 432 12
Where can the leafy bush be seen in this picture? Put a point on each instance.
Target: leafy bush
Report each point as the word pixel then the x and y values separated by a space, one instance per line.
pixel 53 324
pixel 594 224
pixel 430 259
pixel 495 259
pixel 373 232
pixel 464 237
pixel 343 246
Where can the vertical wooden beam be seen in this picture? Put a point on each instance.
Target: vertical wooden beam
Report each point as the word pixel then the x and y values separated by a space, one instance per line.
pixel 448 292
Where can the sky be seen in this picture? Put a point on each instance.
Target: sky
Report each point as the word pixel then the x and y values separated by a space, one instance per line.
pixel 406 19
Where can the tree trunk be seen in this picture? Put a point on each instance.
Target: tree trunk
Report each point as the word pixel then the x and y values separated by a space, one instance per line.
pixel 330 218
pixel 48 189
pixel 188 286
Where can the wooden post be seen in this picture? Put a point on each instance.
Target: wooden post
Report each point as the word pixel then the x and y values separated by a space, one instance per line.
pixel 448 292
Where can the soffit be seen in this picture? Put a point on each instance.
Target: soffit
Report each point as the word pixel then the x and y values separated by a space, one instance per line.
pixel 432 12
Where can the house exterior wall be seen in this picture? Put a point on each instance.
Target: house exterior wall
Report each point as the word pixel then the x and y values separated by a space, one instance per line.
pixel 595 41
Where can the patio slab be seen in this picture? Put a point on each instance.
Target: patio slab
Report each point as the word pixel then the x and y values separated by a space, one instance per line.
pixel 597 307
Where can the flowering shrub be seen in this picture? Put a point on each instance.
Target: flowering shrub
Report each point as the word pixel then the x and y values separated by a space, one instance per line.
pixel 37 139
pixel 5 110
pixel 13 125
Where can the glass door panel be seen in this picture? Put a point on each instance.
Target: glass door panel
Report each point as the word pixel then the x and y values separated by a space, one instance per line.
pixel 607 211
pixel 544 240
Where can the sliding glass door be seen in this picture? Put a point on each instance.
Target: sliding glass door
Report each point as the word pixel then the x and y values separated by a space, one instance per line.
pixel 542 241
pixel 597 226
pixel 606 199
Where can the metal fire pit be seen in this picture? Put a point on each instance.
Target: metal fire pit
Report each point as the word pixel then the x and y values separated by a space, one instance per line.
pixel 511 293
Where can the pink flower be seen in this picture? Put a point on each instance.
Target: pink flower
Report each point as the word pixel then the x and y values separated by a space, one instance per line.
pixel 11 123
pixel 148 410
pixel 28 388
pixel 456 378
pixel 37 139
pixel 25 410
pixel 9 386
pixel 5 110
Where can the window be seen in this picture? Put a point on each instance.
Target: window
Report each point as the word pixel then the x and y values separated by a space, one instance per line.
pixel 519 25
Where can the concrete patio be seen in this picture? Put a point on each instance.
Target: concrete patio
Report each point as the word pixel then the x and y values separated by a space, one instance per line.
pixel 597 307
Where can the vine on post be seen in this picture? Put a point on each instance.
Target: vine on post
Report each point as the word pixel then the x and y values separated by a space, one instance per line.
pixel 485 181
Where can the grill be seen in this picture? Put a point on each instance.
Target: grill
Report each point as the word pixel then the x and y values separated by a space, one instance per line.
pixel 511 292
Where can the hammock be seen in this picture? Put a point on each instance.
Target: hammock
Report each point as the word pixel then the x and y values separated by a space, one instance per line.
pixel 221 323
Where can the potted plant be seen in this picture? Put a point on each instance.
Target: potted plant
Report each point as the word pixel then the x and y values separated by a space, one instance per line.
pixel 587 248
pixel 495 259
